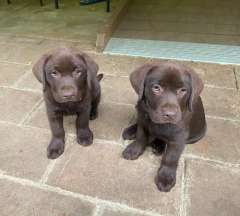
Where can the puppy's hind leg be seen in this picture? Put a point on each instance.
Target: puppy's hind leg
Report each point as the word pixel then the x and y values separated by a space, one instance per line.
pixel 158 146
pixel 130 132
pixel 97 97
pixel 136 148
pixel 94 107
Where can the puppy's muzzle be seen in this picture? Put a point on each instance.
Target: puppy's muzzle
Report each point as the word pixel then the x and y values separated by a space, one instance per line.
pixel 68 93
pixel 169 114
pixel 165 115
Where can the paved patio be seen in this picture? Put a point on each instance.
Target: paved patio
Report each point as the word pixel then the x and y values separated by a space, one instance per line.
pixel 96 180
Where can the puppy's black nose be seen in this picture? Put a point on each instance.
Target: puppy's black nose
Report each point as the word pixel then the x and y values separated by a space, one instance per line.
pixel 68 94
pixel 169 114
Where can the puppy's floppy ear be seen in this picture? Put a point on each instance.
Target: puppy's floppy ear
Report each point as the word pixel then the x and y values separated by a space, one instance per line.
pixel 138 76
pixel 38 69
pixel 92 68
pixel 196 87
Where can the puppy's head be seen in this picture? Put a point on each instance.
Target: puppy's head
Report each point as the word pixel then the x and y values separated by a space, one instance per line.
pixel 167 90
pixel 66 73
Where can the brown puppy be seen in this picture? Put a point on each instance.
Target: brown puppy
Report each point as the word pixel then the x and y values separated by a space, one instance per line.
pixel 170 114
pixel 70 86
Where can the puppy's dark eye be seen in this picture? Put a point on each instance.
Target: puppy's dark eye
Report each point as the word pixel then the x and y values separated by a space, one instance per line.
pixel 181 91
pixel 156 88
pixel 78 72
pixel 54 73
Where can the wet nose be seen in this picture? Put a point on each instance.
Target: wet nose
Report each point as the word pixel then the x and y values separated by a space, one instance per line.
pixel 68 92
pixel 169 113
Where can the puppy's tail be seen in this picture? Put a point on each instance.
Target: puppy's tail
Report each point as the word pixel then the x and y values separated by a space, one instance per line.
pixel 99 77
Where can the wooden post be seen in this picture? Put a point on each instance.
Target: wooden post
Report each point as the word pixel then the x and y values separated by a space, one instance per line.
pixel 108 6
pixel 56 4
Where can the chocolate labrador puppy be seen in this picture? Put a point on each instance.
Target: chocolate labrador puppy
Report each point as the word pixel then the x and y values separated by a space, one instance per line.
pixel 170 114
pixel 70 86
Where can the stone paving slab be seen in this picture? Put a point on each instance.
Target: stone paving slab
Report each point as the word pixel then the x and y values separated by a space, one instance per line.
pixel 118 90
pixel 29 82
pixel 237 74
pixel 116 65
pixel 120 213
pixel 5 38
pixel 23 151
pixel 211 190
pixel 26 40
pixel 100 171
pixel 49 44
pixel 10 73
pixel 221 142
pixel 222 103
pixel 19 200
pixel 17 53
pixel 27 52
pixel 15 105
pixel 214 74
pixel 112 119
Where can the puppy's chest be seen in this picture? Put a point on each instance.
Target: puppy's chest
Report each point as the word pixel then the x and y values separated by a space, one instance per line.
pixel 71 108
pixel 163 131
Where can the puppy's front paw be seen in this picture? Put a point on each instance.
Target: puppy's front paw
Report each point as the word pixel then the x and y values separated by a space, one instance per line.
pixel 165 179
pixel 84 137
pixel 133 151
pixel 55 148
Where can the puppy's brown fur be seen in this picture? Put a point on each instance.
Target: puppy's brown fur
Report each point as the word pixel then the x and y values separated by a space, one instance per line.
pixel 70 86
pixel 170 114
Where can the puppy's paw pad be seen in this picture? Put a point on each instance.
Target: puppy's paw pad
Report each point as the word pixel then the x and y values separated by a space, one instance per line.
pixel 55 149
pixel 133 151
pixel 165 182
